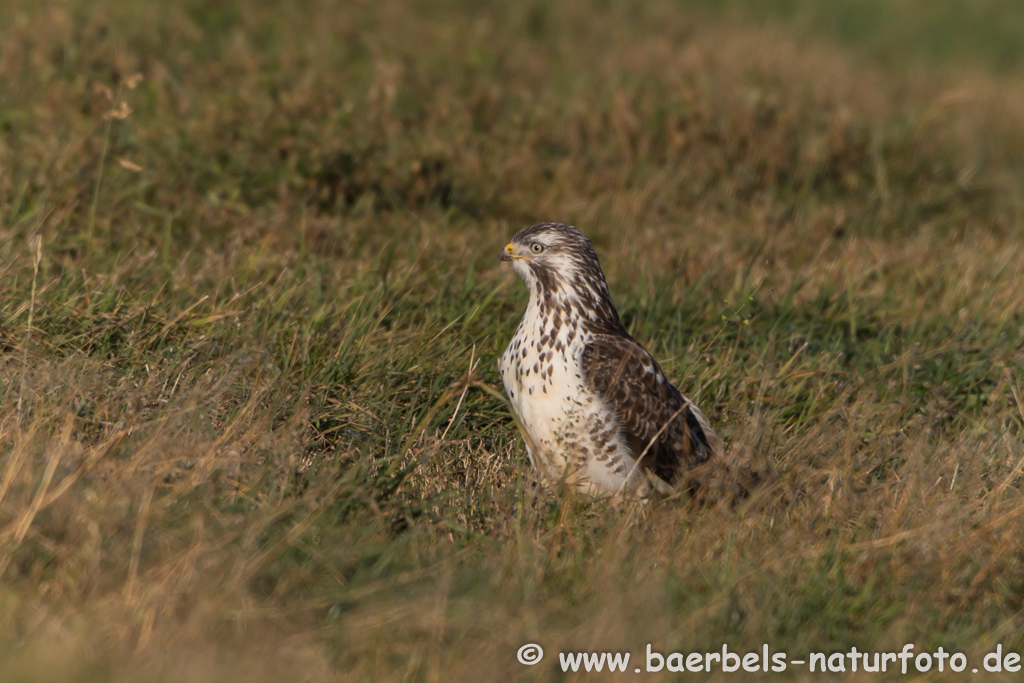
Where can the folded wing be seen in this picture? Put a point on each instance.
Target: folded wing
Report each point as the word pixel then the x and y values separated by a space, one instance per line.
pixel 652 413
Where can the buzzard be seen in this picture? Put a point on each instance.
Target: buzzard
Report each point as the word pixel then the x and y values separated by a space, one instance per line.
pixel 596 408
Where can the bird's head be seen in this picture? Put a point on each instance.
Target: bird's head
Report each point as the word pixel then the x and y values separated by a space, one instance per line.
pixel 560 267
pixel 551 256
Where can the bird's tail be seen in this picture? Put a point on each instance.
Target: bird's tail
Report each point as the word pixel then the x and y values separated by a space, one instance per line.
pixel 705 442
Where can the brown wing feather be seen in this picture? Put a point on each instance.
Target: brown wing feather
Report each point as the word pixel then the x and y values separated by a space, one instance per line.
pixel 623 373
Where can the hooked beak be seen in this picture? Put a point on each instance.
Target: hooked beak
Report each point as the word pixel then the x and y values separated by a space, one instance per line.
pixel 506 254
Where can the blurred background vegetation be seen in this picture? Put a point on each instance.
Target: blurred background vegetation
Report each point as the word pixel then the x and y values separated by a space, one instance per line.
pixel 948 33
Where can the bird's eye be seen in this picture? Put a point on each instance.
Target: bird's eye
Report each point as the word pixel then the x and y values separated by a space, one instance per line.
pixel 536 247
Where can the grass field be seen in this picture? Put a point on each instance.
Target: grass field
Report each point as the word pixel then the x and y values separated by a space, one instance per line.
pixel 251 424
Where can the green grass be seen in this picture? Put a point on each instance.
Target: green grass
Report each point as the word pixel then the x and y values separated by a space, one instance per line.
pixel 251 425
pixel 981 34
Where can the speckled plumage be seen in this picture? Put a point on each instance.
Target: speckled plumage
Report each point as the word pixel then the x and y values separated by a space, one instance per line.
pixel 590 398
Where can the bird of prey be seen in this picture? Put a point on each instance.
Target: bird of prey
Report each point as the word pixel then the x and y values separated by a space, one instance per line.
pixel 596 409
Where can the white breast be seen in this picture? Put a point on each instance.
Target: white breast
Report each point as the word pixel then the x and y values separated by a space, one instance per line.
pixel 571 432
